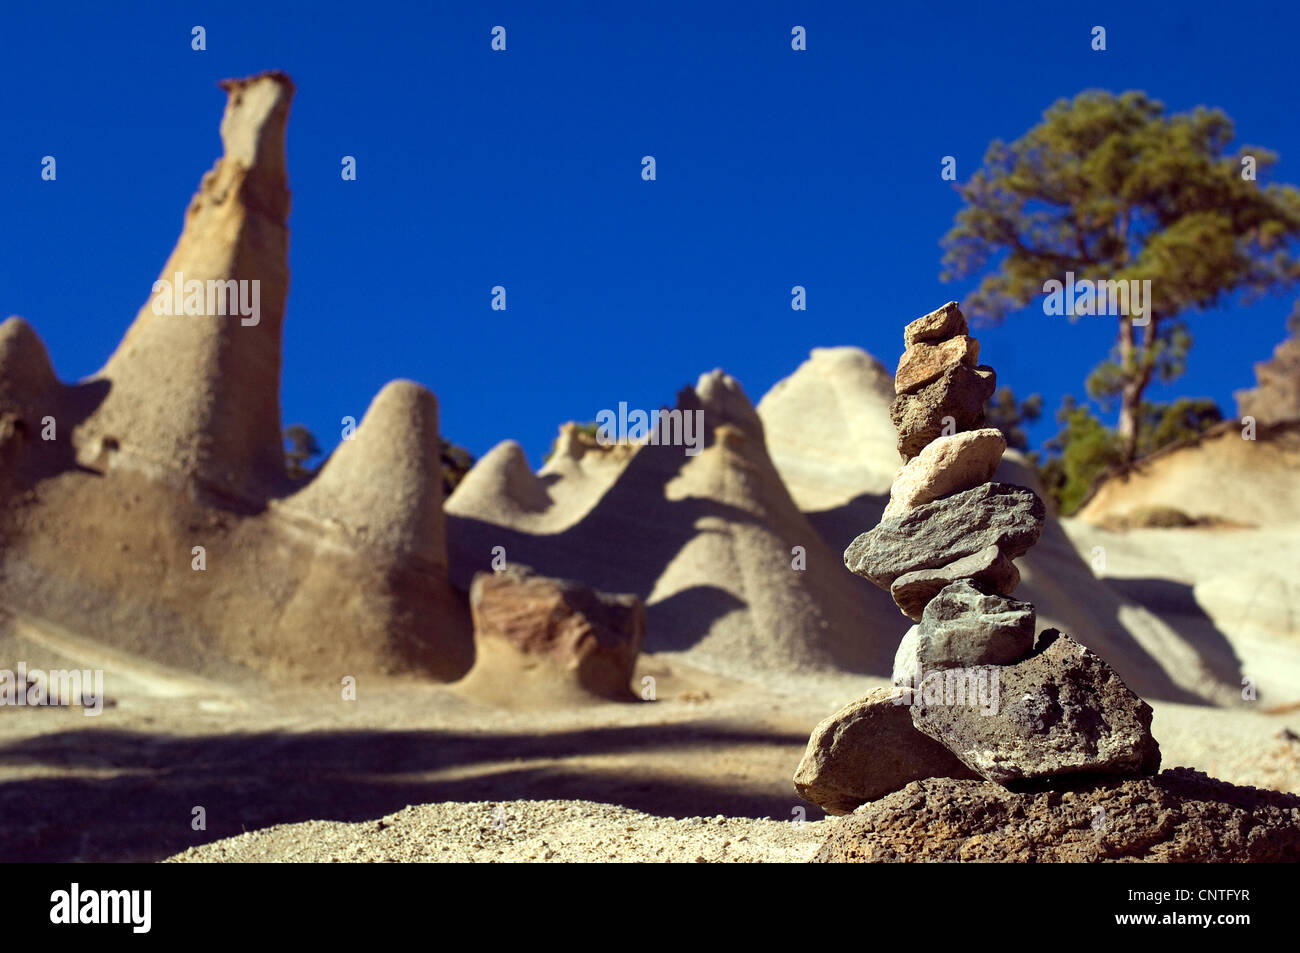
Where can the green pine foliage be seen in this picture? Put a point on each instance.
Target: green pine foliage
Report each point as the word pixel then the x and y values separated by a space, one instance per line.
pixel 1112 188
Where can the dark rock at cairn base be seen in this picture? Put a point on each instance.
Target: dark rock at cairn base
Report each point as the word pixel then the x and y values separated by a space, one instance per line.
pixel 1061 711
pixel 1179 816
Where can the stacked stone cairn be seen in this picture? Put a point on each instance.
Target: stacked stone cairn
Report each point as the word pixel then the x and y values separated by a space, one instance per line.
pixel 975 694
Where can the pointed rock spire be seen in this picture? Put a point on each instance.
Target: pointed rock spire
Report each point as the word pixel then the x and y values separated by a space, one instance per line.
pixel 26 374
pixel 383 485
pixel 500 483
pixel 724 401
pixel 828 428
pixel 712 542
pixel 195 382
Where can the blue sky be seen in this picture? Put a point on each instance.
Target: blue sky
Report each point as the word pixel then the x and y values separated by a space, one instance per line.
pixel 522 169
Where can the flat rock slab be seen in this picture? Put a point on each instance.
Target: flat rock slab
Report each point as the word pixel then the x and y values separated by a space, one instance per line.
pixel 947 465
pixel 938 325
pixel 988 569
pixel 940 532
pixel 1180 816
pixel 1061 711
pixel 964 627
pixel 922 362
pixel 953 402
pixel 866 750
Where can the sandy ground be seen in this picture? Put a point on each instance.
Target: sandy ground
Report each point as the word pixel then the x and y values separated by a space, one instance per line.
pixel 315 777
pixel 525 832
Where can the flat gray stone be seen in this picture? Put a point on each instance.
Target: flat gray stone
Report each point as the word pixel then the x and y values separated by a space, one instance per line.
pixel 964 627
pixel 988 568
pixel 866 750
pixel 942 531
pixel 1061 711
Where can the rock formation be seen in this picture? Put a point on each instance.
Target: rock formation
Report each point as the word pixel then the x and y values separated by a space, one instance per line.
pixel 375 487
pixel 148 508
pixel 549 640
pixel 970 674
pixel 1276 397
pixel 828 429
pixel 1219 478
pixel 195 395
pixel 731 572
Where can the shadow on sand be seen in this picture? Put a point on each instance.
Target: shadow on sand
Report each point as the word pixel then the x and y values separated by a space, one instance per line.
pixel 134 794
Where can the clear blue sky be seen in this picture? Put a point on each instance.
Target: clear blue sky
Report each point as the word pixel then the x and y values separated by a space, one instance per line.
pixel 522 169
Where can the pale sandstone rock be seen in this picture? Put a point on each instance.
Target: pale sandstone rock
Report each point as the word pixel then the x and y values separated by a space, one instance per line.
pixel 1276 398
pixel 947 465
pixel 383 486
pixel 560 630
pixel 194 399
pixel 866 750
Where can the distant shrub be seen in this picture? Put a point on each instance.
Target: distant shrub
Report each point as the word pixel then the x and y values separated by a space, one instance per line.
pixel 1157 516
pixel 587 430
pixel 300 447
pixel 456 462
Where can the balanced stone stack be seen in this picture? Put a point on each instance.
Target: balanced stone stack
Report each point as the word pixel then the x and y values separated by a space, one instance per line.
pixel 975 694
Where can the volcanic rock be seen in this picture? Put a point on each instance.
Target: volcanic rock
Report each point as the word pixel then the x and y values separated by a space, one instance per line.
pixel 922 363
pixel 866 750
pixel 1061 711
pixel 948 464
pixel 942 531
pixel 1179 816
pixel 958 393
pixel 988 568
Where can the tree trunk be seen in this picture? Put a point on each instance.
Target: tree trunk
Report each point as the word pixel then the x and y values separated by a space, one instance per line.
pixel 1136 367
pixel 1130 404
